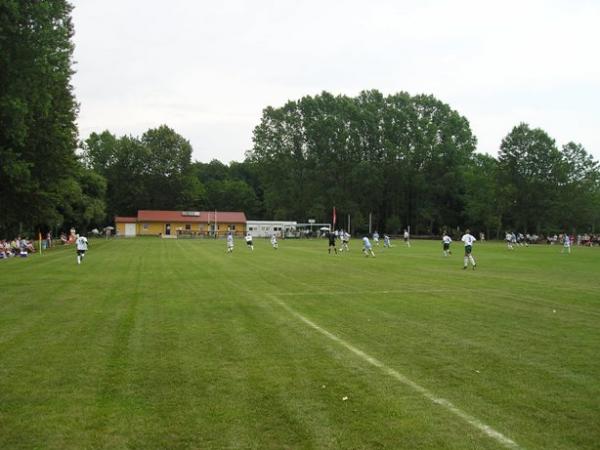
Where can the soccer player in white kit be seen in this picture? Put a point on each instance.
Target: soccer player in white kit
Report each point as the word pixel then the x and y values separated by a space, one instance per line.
pixel 249 241
pixel 229 242
pixel 274 242
pixel 508 239
pixel 376 238
pixel 81 244
pixel 468 239
pixel 407 238
pixel 345 240
pixel 386 241
pixel 367 249
pixel 566 243
pixel 446 241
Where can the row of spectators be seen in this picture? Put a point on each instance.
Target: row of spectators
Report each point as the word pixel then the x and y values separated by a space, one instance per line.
pixel 17 247
pixel 23 246
pixel 586 239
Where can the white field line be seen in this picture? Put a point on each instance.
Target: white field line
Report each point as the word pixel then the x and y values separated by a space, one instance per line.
pixel 473 421
pixel 390 291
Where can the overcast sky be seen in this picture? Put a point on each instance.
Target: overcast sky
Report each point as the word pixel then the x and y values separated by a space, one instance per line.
pixel 208 68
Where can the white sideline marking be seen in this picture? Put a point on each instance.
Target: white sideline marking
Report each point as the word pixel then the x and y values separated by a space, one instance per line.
pixel 473 421
pixel 389 291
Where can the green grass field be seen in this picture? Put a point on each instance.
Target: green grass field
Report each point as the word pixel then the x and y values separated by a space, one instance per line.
pixel 174 344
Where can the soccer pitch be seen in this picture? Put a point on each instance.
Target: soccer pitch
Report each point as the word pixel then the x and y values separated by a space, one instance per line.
pixel 175 344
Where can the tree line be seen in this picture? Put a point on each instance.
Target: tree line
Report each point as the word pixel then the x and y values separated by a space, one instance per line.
pixel 402 160
pixel 411 161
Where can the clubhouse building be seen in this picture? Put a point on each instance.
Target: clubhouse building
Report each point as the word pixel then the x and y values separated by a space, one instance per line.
pixel 181 224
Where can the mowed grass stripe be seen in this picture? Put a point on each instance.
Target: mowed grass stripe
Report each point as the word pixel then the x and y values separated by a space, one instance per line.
pixel 453 442
pixel 473 421
pixel 239 435
pixel 155 344
pixel 476 299
pixel 507 353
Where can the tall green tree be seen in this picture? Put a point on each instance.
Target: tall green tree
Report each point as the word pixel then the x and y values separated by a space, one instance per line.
pixel 578 203
pixel 484 198
pixel 37 113
pixel 168 175
pixel 151 172
pixel 531 171
pixel 391 157
pixel 230 188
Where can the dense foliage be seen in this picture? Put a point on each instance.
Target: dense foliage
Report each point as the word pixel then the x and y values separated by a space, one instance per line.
pixel 410 161
pixel 41 182
pixel 407 161
pixel 402 160
pixel 399 157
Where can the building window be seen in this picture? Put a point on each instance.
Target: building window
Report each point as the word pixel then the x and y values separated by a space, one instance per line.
pixel 188 226
pixel 232 226
pixel 145 226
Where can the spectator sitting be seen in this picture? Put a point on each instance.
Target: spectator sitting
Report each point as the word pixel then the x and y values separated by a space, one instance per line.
pixel 14 247
pixel 29 246
pixel 23 248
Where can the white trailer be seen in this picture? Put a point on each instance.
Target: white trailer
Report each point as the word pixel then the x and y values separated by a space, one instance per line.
pixel 268 228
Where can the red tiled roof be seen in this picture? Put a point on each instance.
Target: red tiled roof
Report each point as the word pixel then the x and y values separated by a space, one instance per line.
pixel 203 217
pixel 122 219
pixel 223 216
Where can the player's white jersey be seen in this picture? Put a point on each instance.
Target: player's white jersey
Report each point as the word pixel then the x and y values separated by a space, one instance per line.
pixel 248 238
pixel 446 239
pixel 366 242
pixel 468 239
pixel 229 240
pixel 82 243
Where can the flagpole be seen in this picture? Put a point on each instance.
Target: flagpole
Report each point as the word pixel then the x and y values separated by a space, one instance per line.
pixel 334 218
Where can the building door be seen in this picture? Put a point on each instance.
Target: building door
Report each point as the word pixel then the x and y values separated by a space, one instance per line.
pixel 130 229
pixel 168 229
